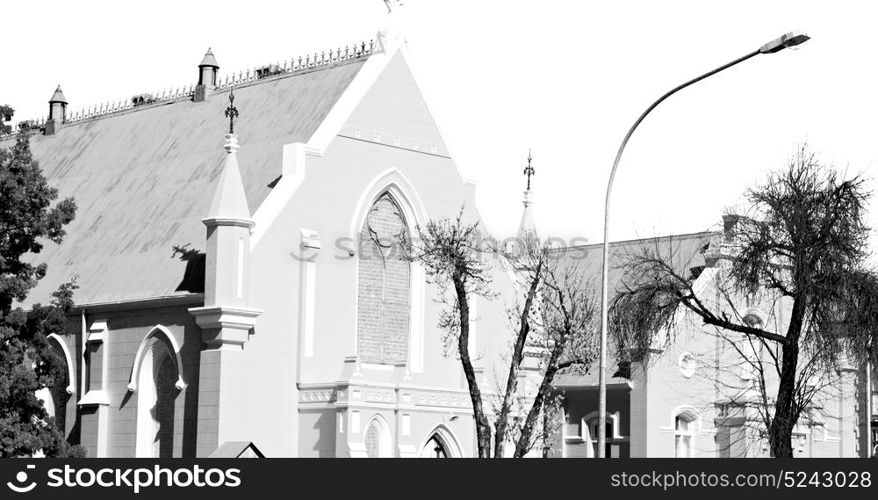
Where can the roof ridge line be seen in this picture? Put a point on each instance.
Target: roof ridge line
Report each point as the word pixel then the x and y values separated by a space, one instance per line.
pixel 294 66
pixel 632 240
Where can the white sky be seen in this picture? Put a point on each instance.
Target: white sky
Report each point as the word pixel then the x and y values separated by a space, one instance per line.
pixel 566 78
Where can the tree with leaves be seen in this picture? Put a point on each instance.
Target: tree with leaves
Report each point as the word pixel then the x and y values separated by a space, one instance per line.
pixel 802 245
pixel 27 361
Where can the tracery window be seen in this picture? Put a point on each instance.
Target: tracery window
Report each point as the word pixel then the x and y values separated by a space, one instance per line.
pixel 384 285
pixel 377 440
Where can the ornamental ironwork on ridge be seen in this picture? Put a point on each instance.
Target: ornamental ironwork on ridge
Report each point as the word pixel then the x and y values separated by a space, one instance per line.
pixel 295 65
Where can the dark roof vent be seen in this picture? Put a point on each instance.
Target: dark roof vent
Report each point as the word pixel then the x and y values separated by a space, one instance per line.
pixel 141 99
pixel 266 71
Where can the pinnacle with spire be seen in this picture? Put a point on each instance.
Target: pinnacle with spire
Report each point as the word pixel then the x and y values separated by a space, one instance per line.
pixel 229 200
pixel 527 226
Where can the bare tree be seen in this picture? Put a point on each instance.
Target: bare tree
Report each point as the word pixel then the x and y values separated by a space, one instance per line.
pixel 555 317
pixel 804 242
pixel 452 257
pixel 565 334
pixel 532 266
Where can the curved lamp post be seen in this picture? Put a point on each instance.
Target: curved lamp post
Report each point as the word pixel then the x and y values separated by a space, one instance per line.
pixel 789 40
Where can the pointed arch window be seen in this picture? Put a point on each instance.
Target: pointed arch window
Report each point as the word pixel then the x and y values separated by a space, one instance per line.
pixel 435 448
pixel 384 285
pixel 377 439
pixel 155 403
pixel 56 395
pixel 156 379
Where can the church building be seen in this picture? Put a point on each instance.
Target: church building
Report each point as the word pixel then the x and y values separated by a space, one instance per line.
pixel 242 283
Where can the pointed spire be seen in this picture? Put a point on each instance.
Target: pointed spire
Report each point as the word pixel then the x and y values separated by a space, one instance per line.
pixel 229 200
pixel 229 206
pixel 527 225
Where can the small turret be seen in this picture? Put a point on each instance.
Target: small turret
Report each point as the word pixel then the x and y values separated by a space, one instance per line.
pixel 207 76
pixel 57 111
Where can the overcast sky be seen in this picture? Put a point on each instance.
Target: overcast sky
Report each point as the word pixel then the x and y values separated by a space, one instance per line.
pixel 566 78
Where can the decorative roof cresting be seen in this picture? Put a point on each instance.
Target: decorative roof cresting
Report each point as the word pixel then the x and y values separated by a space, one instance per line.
pixel 294 65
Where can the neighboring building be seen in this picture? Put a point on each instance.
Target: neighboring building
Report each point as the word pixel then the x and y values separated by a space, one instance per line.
pixel 694 395
pixel 255 300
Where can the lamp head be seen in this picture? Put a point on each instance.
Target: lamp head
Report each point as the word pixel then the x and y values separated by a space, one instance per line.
pixel 791 39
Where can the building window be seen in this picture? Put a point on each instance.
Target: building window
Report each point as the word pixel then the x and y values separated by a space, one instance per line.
pixel 684 435
pixel 156 401
pixel 435 448
pixel 377 440
pixel 56 395
pixel 593 426
pixel 384 285
pixel 613 439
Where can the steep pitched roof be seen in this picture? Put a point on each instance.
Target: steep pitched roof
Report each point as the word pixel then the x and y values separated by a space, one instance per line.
pixel 685 251
pixel 143 178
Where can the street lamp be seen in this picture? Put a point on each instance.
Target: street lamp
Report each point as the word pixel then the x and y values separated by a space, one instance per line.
pixel 791 39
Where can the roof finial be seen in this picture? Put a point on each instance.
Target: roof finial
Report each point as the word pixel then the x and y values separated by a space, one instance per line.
pixel 232 111
pixel 529 169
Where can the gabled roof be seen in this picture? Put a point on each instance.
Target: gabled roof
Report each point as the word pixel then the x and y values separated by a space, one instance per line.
pixel 143 178
pixel 685 251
